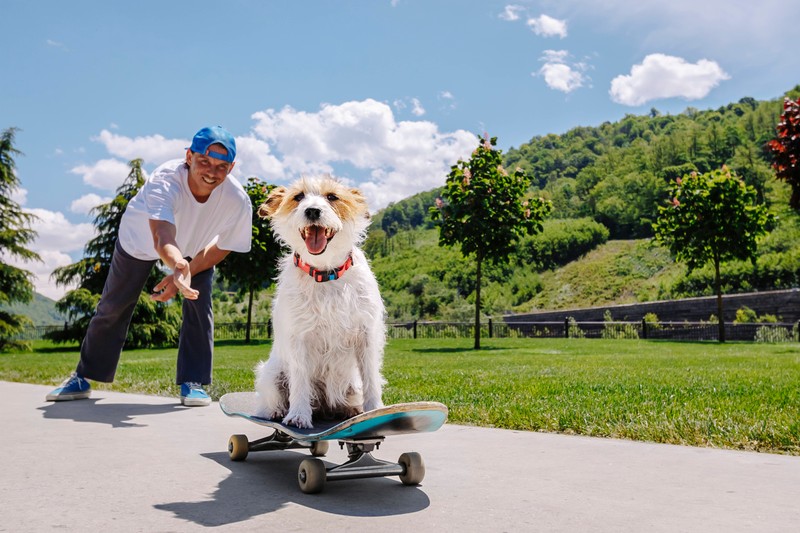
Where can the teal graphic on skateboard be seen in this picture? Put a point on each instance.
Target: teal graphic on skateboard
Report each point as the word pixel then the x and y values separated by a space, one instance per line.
pixel 361 434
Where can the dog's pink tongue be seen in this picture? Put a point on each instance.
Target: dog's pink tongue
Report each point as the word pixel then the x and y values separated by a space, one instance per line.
pixel 316 240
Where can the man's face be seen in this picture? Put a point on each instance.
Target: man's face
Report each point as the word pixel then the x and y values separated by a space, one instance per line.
pixel 206 173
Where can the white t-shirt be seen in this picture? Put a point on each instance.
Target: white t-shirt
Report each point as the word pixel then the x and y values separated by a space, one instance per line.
pixel 225 218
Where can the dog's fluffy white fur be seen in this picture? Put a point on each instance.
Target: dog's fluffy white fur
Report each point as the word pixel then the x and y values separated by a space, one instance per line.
pixel 329 336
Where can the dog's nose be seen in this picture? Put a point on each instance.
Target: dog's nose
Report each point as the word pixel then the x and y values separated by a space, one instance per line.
pixel 312 214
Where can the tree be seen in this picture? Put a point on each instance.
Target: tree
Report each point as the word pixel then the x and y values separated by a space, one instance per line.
pixel 257 269
pixel 785 149
pixel 484 209
pixel 153 323
pixel 16 284
pixel 712 217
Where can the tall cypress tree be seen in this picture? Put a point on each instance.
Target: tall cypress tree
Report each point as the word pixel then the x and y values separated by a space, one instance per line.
pixel 16 284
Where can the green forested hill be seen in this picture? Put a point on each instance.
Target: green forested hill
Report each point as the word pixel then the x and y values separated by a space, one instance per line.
pixel 618 173
pixel 41 310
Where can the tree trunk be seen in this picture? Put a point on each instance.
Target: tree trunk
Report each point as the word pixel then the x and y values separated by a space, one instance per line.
pixel 249 316
pixel 478 306
pixel 718 289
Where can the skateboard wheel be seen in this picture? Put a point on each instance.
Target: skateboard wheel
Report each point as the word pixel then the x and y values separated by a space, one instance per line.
pixel 413 468
pixel 238 446
pixel 311 476
pixel 319 448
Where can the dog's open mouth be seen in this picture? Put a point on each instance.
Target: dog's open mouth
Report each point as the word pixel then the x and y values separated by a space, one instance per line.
pixel 316 238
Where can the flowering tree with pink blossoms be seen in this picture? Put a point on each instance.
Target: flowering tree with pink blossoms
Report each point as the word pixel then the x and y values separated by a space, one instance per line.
pixel 712 217
pixel 485 209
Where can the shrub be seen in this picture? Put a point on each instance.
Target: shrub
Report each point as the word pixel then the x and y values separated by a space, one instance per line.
pixel 617 330
pixel 573 331
pixel 561 241
pixel 773 334
pixel 745 315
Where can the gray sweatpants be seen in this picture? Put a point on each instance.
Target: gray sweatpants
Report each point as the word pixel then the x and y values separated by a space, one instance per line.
pixel 102 346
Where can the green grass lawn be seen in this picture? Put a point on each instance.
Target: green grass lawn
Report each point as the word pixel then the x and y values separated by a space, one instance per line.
pixel 734 395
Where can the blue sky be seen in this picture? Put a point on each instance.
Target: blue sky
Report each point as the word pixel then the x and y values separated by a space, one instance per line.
pixel 384 94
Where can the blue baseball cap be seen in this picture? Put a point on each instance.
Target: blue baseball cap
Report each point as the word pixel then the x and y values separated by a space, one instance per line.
pixel 214 135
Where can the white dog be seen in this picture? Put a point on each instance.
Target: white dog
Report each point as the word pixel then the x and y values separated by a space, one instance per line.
pixel 327 312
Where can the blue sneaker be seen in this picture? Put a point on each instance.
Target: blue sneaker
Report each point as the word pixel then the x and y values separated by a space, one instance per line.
pixel 193 395
pixel 73 388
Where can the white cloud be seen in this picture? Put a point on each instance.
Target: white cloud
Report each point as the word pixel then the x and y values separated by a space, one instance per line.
pixel 561 77
pixel 55 232
pixel 399 158
pixel 19 196
pixel 254 158
pixel 547 26
pixel 56 44
pixel 106 174
pixel 664 76
pixel 511 13
pixel 448 100
pixel 152 149
pixel 87 202
pixel 558 74
pixel 554 56
pixel 416 106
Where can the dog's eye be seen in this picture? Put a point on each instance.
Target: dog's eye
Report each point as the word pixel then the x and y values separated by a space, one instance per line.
pixel 299 197
pixel 331 197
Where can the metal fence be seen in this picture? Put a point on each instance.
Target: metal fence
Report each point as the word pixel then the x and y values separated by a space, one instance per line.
pixel 679 331
pixel 688 331
pixel 236 331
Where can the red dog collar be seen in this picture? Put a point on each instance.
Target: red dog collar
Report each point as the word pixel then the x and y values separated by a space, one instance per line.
pixel 323 275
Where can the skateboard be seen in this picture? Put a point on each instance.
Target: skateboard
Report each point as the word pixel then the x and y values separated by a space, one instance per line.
pixel 361 434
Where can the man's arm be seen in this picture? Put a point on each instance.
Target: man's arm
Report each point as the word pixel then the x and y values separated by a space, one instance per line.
pixel 207 258
pixel 167 249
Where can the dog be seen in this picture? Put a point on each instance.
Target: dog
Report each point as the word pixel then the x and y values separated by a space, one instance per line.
pixel 327 313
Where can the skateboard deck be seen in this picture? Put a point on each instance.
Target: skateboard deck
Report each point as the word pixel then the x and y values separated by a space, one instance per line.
pixel 390 420
pixel 362 434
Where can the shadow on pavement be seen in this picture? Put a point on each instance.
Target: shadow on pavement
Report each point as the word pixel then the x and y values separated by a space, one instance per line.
pixel 118 415
pixel 267 482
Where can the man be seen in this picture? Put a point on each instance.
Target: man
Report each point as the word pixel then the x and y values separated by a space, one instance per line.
pixel 190 214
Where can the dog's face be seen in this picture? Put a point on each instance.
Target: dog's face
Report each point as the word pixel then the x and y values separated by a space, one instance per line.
pixel 317 217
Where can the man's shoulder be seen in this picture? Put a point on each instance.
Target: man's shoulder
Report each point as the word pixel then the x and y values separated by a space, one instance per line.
pixel 234 188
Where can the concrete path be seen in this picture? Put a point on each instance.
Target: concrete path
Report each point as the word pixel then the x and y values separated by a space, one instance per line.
pixel 124 462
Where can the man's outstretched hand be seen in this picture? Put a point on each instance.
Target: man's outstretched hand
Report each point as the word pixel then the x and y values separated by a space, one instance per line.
pixel 179 281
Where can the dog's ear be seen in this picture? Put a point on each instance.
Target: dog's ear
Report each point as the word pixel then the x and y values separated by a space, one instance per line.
pixel 358 198
pixel 360 202
pixel 274 200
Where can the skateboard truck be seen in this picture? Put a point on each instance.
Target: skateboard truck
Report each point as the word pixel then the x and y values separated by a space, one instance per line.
pixel 361 463
pixel 313 474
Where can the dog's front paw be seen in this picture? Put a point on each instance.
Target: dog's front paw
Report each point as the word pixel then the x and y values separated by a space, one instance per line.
pixel 272 408
pixel 298 420
pixel 350 412
pixel 275 414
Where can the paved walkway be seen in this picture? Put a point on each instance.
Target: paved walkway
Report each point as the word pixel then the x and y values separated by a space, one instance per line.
pixel 124 462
